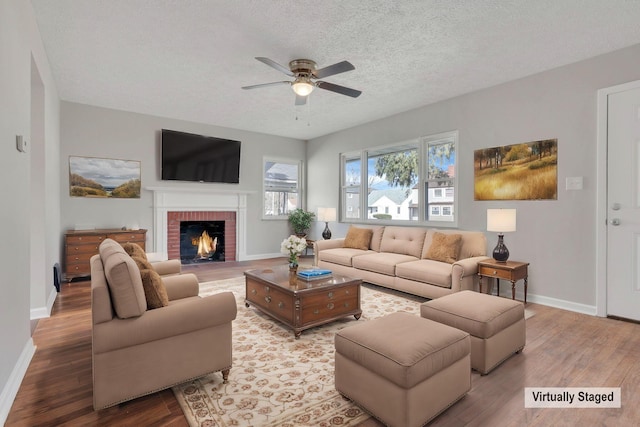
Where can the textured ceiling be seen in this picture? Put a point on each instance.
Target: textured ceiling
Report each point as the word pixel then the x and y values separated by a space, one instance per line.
pixel 188 59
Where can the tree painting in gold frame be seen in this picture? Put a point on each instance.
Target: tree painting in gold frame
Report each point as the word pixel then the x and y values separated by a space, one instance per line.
pixel 527 171
pixel 104 178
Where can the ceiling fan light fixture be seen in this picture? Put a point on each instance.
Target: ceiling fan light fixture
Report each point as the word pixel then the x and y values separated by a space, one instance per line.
pixel 302 86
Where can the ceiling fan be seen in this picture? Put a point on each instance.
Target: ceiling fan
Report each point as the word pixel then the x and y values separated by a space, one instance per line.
pixel 306 77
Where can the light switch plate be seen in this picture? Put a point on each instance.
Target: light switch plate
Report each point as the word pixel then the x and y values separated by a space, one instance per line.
pixel 574 183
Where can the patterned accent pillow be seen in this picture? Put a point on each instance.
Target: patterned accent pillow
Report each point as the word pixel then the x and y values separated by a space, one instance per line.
pixel 154 290
pixel 134 250
pixel 445 247
pixel 358 238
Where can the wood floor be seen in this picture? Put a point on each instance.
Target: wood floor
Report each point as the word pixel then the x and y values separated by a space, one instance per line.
pixel 564 349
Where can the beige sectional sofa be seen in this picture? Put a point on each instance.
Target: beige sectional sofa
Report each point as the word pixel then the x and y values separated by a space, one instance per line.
pixel 406 258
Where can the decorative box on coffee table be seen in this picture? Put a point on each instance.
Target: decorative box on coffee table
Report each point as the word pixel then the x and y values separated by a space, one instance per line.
pixel 302 304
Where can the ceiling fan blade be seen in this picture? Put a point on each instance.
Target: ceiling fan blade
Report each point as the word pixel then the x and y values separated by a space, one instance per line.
pixel 339 89
pixel 275 65
pixel 265 85
pixel 301 100
pixel 337 68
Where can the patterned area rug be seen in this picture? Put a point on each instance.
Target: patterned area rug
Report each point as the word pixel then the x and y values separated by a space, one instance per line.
pixel 275 379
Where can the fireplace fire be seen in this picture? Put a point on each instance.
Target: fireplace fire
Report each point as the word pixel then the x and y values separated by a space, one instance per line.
pixel 202 241
pixel 206 245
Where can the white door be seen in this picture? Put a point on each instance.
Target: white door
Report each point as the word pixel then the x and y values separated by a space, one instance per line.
pixel 623 205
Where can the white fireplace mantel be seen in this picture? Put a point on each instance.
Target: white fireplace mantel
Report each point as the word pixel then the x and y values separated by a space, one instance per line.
pixel 169 199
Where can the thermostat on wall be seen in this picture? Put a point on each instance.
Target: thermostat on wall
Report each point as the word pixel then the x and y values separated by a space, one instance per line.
pixel 21 144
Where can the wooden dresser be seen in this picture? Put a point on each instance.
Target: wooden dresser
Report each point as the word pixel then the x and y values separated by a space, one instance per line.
pixel 80 246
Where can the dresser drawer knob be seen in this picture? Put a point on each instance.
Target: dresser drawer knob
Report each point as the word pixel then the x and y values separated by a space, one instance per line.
pixel 266 289
pixel 253 291
pixel 495 272
pixel 267 298
pixel 330 294
pixel 330 306
pixel 280 304
pixel 346 305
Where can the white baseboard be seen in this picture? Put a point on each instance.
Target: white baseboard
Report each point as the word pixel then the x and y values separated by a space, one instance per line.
pixel 10 390
pixel 553 302
pixel 44 312
pixel 261 256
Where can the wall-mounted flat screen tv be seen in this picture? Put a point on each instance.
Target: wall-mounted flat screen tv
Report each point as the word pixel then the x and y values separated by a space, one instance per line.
pixel 191 157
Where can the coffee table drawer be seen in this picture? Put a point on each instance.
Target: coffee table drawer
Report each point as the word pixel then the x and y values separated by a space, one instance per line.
pixel 329 310
pixel 271 299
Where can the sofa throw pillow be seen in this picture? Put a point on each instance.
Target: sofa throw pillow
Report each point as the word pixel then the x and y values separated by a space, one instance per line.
pixel 358 238
pixel 134 250
pixel 445 247
pixel 154 290
pixel 142 263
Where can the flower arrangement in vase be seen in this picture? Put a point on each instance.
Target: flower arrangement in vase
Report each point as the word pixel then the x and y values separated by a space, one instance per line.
pixel 293 246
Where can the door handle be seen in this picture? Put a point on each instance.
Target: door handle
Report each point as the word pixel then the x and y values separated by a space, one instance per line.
pixel 615 221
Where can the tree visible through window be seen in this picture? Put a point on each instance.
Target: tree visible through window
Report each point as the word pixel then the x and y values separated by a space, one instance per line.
pixel 389 180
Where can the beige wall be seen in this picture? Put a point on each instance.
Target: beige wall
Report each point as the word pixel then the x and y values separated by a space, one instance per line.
pixel 25 288
pixel 101 132
pixel 557 236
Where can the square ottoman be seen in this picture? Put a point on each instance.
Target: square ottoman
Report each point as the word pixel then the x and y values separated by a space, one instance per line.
pixel 496 324
pixel 402 369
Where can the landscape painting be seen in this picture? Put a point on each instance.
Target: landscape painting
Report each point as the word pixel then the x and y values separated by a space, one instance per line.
pixel 104 178
pixel 527 171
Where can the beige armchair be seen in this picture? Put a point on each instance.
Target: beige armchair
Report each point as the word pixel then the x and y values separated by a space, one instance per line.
pixel 136 351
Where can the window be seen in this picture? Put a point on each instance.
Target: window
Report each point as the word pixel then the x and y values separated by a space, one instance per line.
pixel 281 187
pixel 351 178
pixel 440 166
pixel 414 180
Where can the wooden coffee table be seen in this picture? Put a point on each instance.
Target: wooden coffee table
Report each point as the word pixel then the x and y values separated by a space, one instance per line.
pixel 302 304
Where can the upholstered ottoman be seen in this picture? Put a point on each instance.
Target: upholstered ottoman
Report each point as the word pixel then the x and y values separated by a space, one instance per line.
pixel 402 369
pixel 496 325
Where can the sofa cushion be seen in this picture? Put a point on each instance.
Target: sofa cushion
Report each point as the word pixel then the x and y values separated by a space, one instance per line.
pixel 109 247
pixel 342 256
pixel 383 262
pixel 134 250
pixel 403 240
pixel 426 271
pixel 154 291
pixel 444 247
pixel 358 238
pixel 125 285
pixel 376 238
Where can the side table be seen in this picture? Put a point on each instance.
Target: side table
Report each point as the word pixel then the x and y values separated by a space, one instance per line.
pixel 509 270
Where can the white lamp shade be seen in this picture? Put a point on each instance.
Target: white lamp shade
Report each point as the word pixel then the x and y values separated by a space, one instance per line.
pixel 326 214
pixel 501 220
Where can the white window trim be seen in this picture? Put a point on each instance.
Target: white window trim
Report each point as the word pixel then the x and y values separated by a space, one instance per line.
pixel 300 185
pixel 422 143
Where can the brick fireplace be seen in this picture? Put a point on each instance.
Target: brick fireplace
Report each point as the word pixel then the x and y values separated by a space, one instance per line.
pixel 175 218
pixel 174 204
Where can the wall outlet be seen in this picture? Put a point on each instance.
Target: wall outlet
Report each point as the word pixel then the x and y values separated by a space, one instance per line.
pixel 21 144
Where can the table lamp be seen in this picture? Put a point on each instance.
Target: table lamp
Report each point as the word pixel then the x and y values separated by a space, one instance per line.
pixel 501 221
pixel 326 215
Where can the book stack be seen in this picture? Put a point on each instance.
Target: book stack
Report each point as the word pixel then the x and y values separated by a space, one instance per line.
pixel 314 274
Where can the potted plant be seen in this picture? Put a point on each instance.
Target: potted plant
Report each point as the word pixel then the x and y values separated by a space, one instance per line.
pixel 300 221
